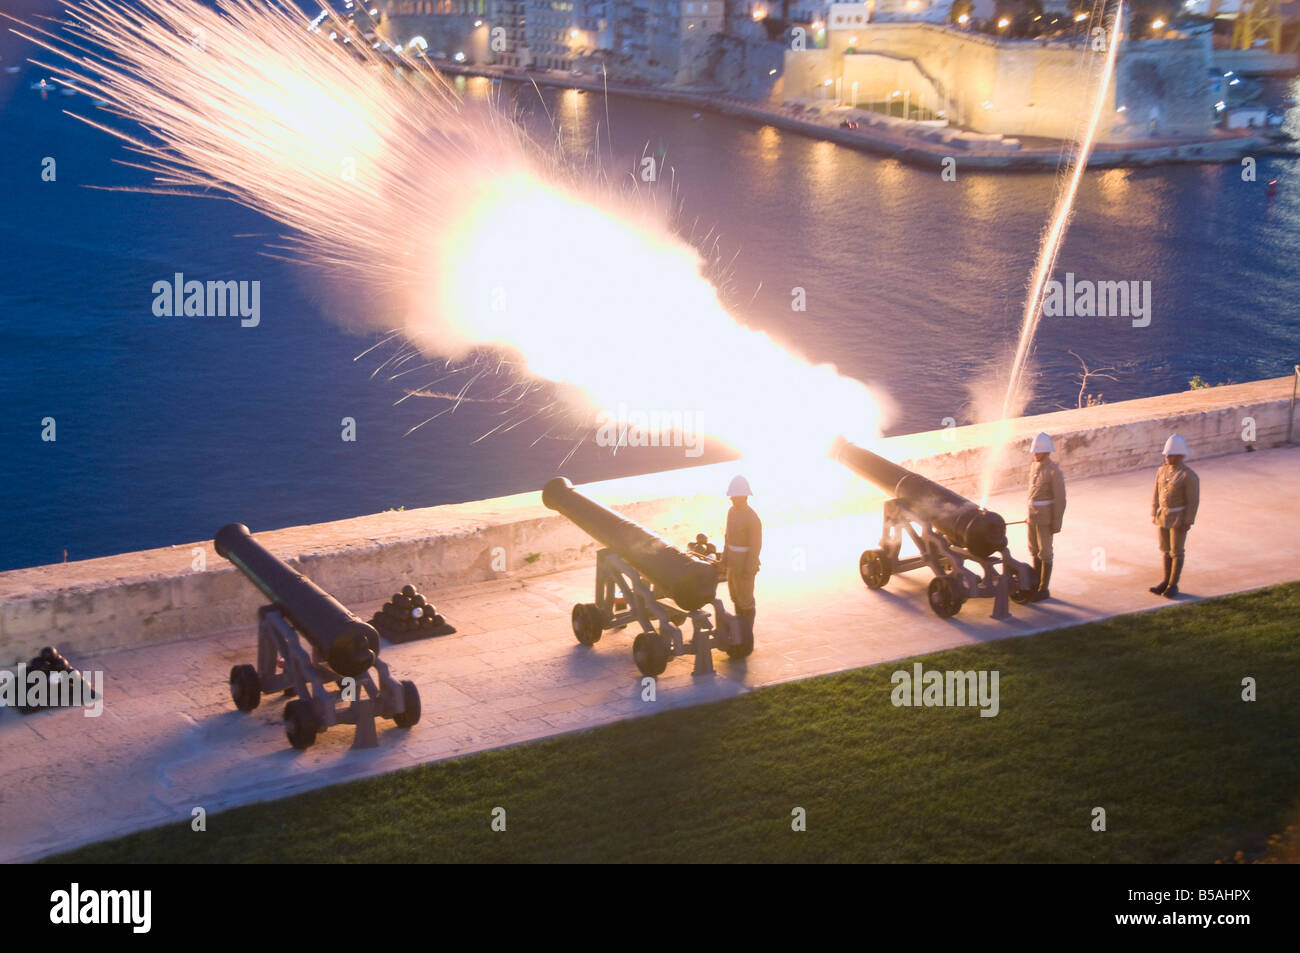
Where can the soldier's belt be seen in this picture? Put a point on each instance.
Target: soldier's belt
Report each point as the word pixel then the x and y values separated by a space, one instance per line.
pixel 738 549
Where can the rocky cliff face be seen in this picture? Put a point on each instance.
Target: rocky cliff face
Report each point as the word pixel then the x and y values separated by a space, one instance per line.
pixel 741 66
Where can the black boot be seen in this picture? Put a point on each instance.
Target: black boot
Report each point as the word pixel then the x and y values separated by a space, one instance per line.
pixel 1044 578
pixel 1175 571
pixel 746 619
pixel 1164 583
pixel 1038 571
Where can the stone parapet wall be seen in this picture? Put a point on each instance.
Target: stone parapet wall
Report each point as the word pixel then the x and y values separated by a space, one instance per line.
pixel 164 595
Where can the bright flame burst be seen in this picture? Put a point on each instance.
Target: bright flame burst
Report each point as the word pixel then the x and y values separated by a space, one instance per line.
pixel 460 225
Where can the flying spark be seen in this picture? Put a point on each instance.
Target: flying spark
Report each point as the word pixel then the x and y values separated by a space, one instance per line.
pixel 466 234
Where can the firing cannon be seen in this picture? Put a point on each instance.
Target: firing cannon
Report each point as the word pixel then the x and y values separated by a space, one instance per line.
pixel 947 530
pixel 641 578
pixel 344 650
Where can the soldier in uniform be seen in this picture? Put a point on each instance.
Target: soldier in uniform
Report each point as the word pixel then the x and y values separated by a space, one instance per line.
pixel 1046 511
pixel 1173 509
pixel 741 547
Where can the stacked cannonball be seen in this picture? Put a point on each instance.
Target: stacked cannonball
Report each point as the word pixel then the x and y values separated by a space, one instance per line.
pixel 702 546
pixel 50 665
pixel 408 612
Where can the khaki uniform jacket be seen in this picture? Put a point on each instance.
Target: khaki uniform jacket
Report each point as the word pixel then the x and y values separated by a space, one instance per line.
pixel 745 530
pixel 1176 497
pixel 1047 483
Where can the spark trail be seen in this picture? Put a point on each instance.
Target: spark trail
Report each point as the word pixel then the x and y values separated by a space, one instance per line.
pixel 466 234
pixel 1014 401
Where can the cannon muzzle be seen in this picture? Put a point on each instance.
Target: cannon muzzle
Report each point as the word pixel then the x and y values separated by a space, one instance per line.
pixel 964 523
pixel 347 644
pixel 689 581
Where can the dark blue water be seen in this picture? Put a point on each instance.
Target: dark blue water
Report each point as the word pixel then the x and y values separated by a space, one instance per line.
pixel 168 428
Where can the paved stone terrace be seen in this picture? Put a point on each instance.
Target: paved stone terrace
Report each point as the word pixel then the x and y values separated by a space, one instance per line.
pixel 169 738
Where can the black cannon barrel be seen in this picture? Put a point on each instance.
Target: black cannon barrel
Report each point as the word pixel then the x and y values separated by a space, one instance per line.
pixel 691 582
pixel 963 522
pixel 346 643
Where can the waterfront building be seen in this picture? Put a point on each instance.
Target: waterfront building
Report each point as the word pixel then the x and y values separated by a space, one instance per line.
pixel 1008 87
pixel 702 17
pixel 444 29
pixel 508 19
pixel 928 11
pixel 563 34
pixel 659 41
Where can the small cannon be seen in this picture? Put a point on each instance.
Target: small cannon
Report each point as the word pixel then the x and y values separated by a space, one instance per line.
pixel 947 529
pixel 636 575
pixel 343 650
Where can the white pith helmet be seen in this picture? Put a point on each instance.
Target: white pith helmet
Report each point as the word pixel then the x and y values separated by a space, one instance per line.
pixel 1043 444
pixel 739 486
pixel 1175 446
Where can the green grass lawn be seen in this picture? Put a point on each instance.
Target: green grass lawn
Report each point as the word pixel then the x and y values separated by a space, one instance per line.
pixel 1140 714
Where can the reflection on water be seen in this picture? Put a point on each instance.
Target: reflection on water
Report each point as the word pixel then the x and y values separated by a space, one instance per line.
pixel 769 143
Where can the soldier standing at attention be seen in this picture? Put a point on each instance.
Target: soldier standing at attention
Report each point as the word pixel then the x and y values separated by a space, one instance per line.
pixel 1046 511
pixel 743 542
pixel 1173 510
